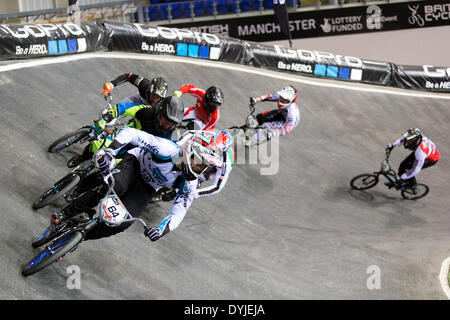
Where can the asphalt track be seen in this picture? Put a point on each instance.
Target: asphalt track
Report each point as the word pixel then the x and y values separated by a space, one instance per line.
pixel 298 234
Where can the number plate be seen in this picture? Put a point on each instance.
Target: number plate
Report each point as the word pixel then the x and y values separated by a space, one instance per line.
pixel 112 211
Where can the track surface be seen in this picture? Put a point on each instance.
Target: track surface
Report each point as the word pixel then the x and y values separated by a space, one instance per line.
pixel 298 234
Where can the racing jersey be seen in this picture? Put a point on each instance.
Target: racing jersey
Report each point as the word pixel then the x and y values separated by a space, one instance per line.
pixel 198 111
pixel 143 116
pixel 156 158
pixel 219 176
pixel 291 121
pixel 291 115
pixel 426 151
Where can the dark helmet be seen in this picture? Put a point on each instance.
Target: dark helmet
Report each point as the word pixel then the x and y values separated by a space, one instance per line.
pixel 213 99
pixel 158 86
pixel 173 109
pixel 413 138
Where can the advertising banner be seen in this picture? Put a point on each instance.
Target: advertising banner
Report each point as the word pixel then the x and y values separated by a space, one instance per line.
pixel 30 41
pixel 187 43
pixel 38 40
pixel 338 21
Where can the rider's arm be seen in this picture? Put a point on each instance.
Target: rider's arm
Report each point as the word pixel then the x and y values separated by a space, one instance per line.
pixel 417 166
pixel 268 97
pixel 121 79
pixel 399 142
pixel 210 125
pixel 128 137
pixel 128 77
pixel 179 208
pixel 140 82
pixel 123 109
pixel 193 90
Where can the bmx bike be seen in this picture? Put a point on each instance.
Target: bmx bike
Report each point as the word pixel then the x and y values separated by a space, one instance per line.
pixel 64 239
pixel 84 134
pixel 369 180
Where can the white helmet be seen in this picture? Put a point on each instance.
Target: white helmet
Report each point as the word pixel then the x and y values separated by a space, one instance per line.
pixel 289 94
pixel 201 148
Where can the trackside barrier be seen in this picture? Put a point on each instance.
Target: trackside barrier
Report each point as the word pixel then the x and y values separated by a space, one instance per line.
pixel 40 40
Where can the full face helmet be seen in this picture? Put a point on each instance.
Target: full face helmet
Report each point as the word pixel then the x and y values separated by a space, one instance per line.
pixel 213 99
pixel 413 138
pixel 159 86
pixel 199 152
pixel 288 95
pixel 172 109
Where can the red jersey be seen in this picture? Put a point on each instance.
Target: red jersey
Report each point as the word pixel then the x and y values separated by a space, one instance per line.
pixel 209 119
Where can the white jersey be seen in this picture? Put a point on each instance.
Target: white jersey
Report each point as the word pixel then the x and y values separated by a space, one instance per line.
pixel 426 151
pixel 292 120
pixel 156 158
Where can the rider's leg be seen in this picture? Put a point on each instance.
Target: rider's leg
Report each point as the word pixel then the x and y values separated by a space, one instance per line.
pixel 268 130
pixel 406 164
pixel 95 189
pixel 272 116
pixel 411 183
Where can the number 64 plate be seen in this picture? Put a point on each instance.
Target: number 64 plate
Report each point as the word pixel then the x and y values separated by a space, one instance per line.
pixel 112 211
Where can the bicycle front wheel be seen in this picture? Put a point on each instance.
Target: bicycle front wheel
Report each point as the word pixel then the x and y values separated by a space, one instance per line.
pixel 52 253
pixel 59 189
pixel 419 191
pixel 364 181
pixel 69 139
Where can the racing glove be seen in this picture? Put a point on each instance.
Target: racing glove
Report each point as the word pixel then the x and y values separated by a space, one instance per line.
pixel 168 195
pixel 177 93
pixel 104 159
pixel 389 147
pixel 107 88
pixel 253 101
pixel 153 234
pixel 99 125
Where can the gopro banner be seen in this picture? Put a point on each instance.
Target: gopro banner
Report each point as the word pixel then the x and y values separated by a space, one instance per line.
pixel 37 40
pixel 30 41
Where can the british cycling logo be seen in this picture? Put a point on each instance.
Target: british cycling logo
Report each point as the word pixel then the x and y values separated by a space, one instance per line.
pixel 431 13
pixel 415 18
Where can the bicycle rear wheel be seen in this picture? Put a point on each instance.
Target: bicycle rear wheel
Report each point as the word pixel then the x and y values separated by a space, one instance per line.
pixel 57 249
pixel 59 189
pixel 364 181
pixel 69 139
pixel 419 191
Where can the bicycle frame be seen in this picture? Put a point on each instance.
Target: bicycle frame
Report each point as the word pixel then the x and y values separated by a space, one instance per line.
pixel 386 169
